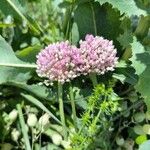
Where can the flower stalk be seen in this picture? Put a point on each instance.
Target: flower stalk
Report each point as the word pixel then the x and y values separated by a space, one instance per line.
pixel 73 106
pixel 93 78
pixel 61 110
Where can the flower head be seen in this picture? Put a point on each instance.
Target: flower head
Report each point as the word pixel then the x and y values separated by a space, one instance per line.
pixel 55 62
pixel 98 55
pixel 62 62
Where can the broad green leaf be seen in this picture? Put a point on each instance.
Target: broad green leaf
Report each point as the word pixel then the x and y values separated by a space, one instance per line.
pixel 121 64
pixel 13 75
pixel 140 61
pixel 126 74
pixel 40 105
pixel 6 53
pixel 29 54
pixel 125 39
pixel 129 7
pixel 137 49
pixel 143 85
pixel 18 76
pixel 143 27
pixel 8 58
pixel 80 100
pixel 91 18
pixel 145 145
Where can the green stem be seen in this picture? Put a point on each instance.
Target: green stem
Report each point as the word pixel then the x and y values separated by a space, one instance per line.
pixel 73 106
pixel 93 17
pixel 32 138
pixel 18 65
pixel 93 79
pixel 61 110
pixel 97 117
pixel 23 127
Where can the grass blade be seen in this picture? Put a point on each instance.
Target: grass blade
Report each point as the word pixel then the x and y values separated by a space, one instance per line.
pixel 40 105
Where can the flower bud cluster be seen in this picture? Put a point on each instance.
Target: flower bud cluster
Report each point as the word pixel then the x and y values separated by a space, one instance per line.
pixel 98 55
pixel 63 62
pixel 55 62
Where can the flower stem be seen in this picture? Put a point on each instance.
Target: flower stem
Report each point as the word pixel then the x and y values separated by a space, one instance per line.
pixel 61 110
pixel 73 106
pixel 23 127
pixel 93 79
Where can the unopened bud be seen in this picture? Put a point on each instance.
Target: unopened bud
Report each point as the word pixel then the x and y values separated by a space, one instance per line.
pixel 13 115
pixel 15 135
pixel 44 120
pixel 56 139
pixel 32 120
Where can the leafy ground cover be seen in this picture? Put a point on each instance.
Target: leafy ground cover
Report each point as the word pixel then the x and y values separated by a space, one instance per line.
pixel 108 109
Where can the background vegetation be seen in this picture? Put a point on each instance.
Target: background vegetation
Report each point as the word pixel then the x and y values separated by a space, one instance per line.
pixel 123 96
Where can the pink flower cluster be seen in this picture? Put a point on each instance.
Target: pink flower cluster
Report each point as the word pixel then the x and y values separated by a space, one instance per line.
pixel 62 62
pixel 55 62
pixel 99 55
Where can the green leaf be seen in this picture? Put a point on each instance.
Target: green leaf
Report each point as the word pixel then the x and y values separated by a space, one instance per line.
pixel 65 4
pixel 74 34
pixel 128 7
pixel 139 117
pixel 138 129
pixel 120 141
pixel 40 105
pixel 145 145
pixel 40 91
pixel 83 1
pixel 29 54
pixel 6 53
pixel 140 139
pixel 143 27
pixel 144 85
pixel 13 75
pixel 91 18
pixel 126 74
pixel 80 100
pixel 8 58
pixel 137 49
pixel 125 39
pixel 19 76
pixel 14 7
pixel 140 61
